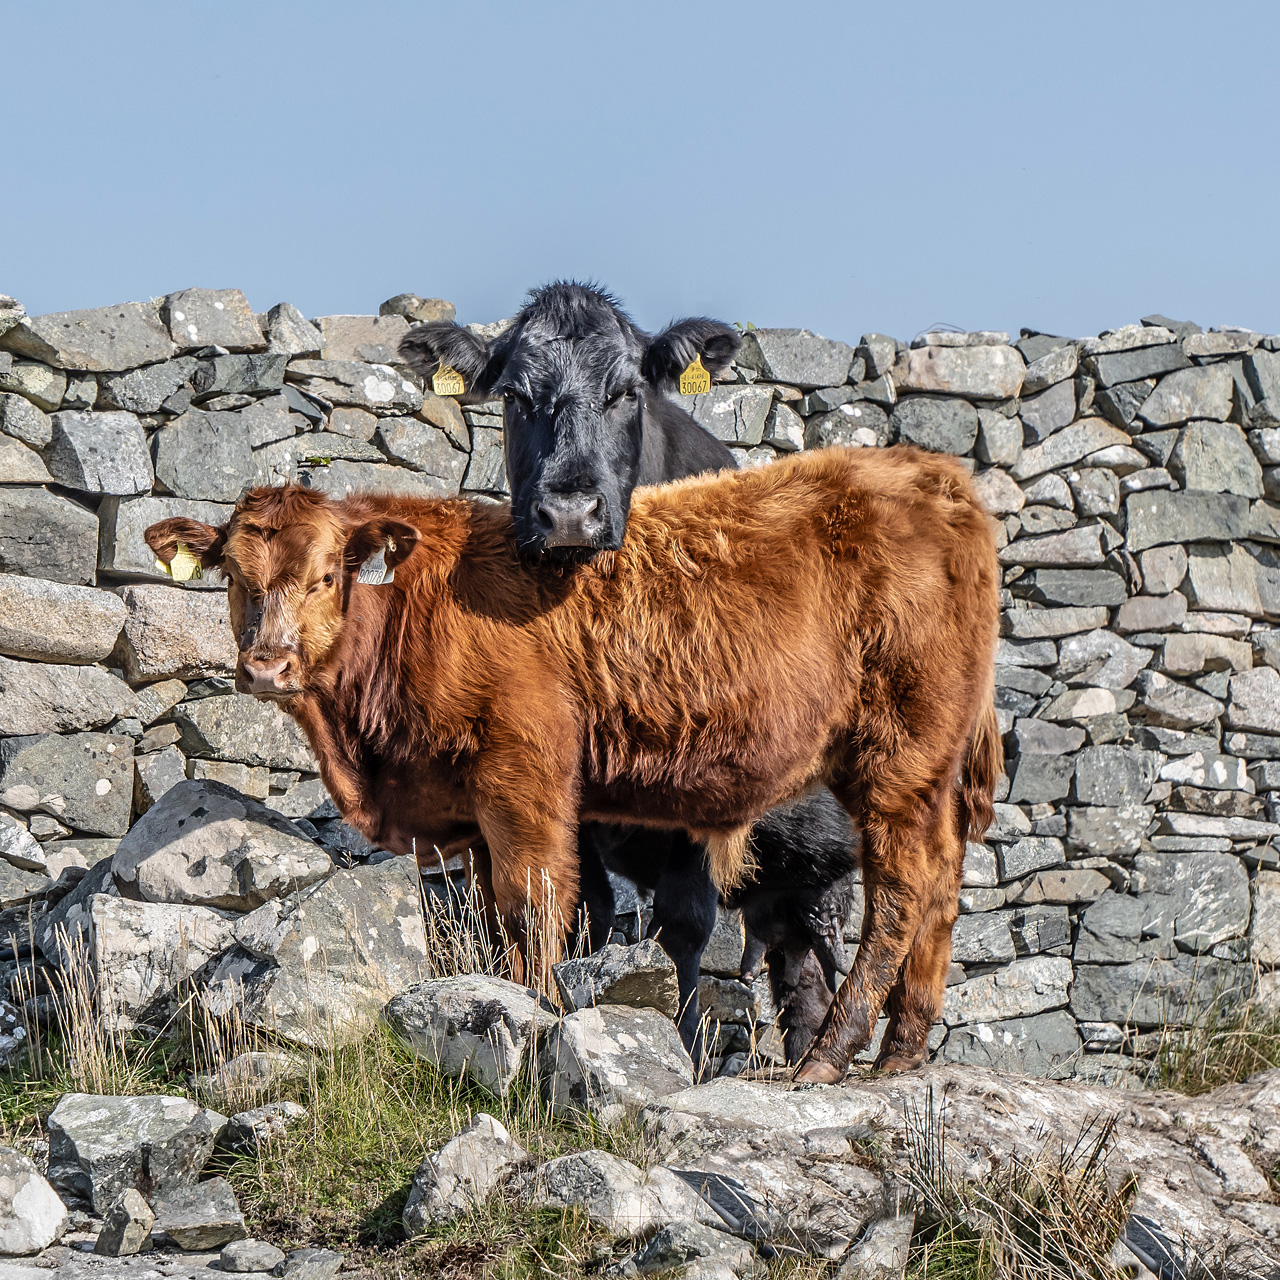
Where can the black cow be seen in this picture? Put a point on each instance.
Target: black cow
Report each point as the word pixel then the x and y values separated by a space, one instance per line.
pixel 585 421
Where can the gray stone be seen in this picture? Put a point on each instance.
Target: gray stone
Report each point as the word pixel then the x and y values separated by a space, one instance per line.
pixel 734 414
pixel 1054 366
pixel 285 461
pixel 487 472
pixel 84 779
pixel 1197 899
pixel 24 421
pixel 99 1146
pixel 204 455
pixel 206 844
pixel 123 521
pixel 1151 613
pixel 103 340
pixel 268 420
pixel 1037 624
pixel 360 425
pixel 1265 931
pixel 1110 930
pixel 1043 1047
pixel 44 535
pixel 1255 701
pixel 172 633
pixel 1163 569
pixel 21 465
pixel 36 382
pixel 461 1175
pixel 249 1131
pixel 319 969
pixel 226 375
pixel 1049 411
pixel 241 729
pixel 883 1252
pixel 19 847
pixel 1224 578
pixel 983 372
pixel 1088 704
pixel 999 439
pixel 1214 457
pixel 878 352
pixel 417 310
pixel 1114 775
pixel 641 976
pixel 982 939
pixel 11 312
pixel 937 423
pixel 472 1027
pixel 442 412
pixel 1068 445
pixel 784 429
pixel 1108 831
pixel 212 318
pixel 1037 737
pixel 1078 587
pixel 1204 391
pixel 1031 853
pixel 305 799
pixel 250 1255
pixel 1020 990
pixel 241 778
pixel 614 1194
pixel 1040 928
pixel 1096 490
pixel 340 479
pixel 145 390
pixel 373 339
pixel 1064 887
pixel 1038 779
pixel 998 493
pixel 199 1216
pixel 156 774
pixel 426 449
pixel 126 1226
pixel 1085 547
pixel 31 1215
pixel 1152 993
pixel 1051 490
pixel 795 356
pixel 376 387
pixel 310 1264
pixel 689 1251
pixel 57 622
pixel 1208 769
pixel 289 331
pixel 1129 337
pixel 1189 654
pixel 858 425
pixel 1135 365
pixel 1157 517
pixel 611 1059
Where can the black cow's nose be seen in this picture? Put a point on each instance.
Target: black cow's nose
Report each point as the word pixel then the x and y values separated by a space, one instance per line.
pixel 570 519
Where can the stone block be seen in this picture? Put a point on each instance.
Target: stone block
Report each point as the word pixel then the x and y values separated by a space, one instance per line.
pixel 1223 578
pixel 1037 779
pixel 1134 365
pixel 936 422
pixel 1158 517
pixel 982 939
pixel 57 622
pixel 1049 411
pixel 1084 547
pixel 291 333
pixel 44 535
pixel 1203 391
pixel 1102 659
pixel 1173 705
pixel 425 448
pixel 170 633
pixel 145 390
pixel 121 548
pixel 1063 887
pixel 102 340
pixel 99 453
pixel 796 357
pixel 1054 366
pixel 642 976
pixel 1043 1047
pixel 1020 990
pixel 981 372
pixel 1108 831
pixel 373 339
pixel 1255 701
pixel 84 779
pixel 1111 775
pixel 354 384
pixel 1068 445
pixel 239 728
pixel 24 421
pixel 212 318
pixel 204 456
pixel 199 1216
pixel 1214 457
pixel 21 465
pixel 1038 624
pixel 1152 613
pixel 858 425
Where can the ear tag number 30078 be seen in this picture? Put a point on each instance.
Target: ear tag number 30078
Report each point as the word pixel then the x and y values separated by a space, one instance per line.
pixel 695 380
pixel 447 381
pixel 183 567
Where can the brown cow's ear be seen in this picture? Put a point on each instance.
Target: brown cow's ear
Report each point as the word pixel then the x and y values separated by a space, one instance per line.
pixel 205 541
pixel 392 541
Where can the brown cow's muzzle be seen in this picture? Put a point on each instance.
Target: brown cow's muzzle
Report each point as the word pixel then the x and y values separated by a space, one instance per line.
pixel 269 677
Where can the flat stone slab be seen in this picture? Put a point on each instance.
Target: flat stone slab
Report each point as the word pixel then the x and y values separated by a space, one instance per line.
pixel 48 697
pixel 200 1215
pixel 169 633
pixel 56 621
pixel 100 340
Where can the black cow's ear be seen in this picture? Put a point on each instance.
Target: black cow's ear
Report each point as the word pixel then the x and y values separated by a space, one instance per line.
pixel 672 351
pixel 205 541
pixel 427 346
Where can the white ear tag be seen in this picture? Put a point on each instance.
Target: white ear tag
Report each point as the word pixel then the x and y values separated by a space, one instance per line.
pixel 374 572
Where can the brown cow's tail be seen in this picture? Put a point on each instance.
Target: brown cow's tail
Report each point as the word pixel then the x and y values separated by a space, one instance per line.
pixel 982 767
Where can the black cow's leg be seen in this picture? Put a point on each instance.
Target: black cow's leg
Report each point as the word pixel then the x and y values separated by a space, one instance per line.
pixel 596 899
pixel 684 914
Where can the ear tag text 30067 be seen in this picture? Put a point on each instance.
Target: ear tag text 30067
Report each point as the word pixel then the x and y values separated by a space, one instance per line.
pixel 447 381
pixel 695 380
pixel 183 567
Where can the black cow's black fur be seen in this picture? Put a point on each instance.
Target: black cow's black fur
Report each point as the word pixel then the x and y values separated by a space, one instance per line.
pixel 585 421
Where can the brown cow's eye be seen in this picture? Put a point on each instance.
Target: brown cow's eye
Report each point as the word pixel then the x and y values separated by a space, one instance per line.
pixel 328 579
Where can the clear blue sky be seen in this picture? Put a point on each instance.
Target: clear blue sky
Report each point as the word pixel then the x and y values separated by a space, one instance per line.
pixel 841 166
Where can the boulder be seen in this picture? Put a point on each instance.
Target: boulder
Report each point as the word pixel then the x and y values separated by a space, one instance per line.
pixel 207 845
pixel 691 1251
pixel 99 1146
pixel 936 422
pixel 45 697
pixel 614 1194
pixel 472 1027
pixel 126 1226
pixel 99 453
pixel 84 779
pixel 461 1175
pixel 641 976
pixel 239 728
pixel 212 318
pixel 102 340
pixel 200 1215
pixel 57 622
pixel 44 535
pixel 795 356
pixel 612 1059
pixel 170 633
pixel 250 1255
pixel 32 1217
pixel 320 969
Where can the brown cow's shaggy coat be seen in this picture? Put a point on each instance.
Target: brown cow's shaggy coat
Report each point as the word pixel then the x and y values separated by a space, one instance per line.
pixel 829 618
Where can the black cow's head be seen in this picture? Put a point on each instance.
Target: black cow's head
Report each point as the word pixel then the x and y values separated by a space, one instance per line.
pixel 576 378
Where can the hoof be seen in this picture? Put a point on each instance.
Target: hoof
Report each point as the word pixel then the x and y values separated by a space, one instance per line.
pixel 899 1062
pixel 815 1071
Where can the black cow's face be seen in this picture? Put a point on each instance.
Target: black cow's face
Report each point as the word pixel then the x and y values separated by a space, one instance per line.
pixel 574 374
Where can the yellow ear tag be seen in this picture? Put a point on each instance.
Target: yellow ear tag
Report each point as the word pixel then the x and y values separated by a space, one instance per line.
pixel 183 566
pixel 695 380
pixel 447 381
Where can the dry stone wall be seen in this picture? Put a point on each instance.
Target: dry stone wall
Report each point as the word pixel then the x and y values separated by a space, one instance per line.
pixel 1134 479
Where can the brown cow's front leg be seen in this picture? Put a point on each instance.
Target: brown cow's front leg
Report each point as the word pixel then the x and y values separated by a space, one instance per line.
pixel 893 863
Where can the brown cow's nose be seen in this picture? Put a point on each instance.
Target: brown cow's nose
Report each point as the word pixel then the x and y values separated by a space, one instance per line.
pixel 570 519
pixel 266 677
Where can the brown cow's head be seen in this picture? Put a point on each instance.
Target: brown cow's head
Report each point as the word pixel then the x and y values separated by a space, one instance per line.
pixel 290 557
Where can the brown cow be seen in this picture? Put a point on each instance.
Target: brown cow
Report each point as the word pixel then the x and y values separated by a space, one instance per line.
pixel 831 618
